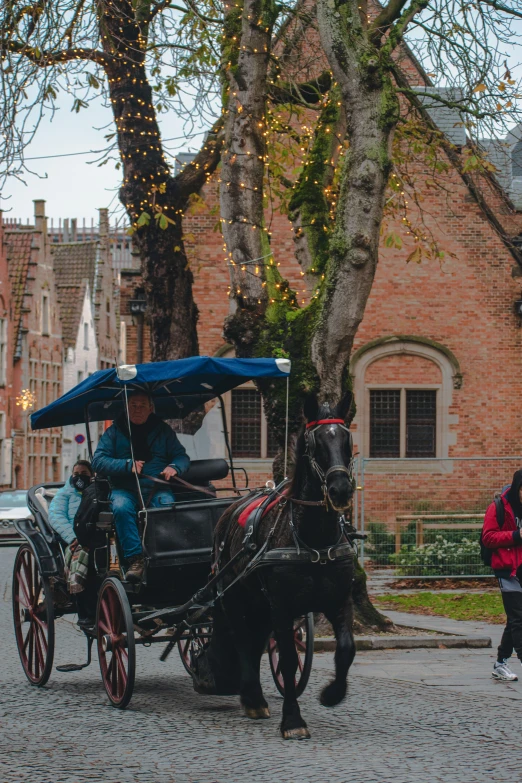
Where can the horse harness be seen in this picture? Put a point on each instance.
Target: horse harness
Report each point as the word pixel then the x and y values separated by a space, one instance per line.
pixel 309 436
pixel 301 553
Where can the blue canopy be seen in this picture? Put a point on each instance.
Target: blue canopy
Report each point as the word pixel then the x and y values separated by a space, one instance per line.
pixel 177 387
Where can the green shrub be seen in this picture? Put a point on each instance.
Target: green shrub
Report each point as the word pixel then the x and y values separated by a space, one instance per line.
pixel 380 544
pixel 441 557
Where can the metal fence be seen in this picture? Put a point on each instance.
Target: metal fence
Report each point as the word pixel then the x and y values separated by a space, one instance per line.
pixel 423 517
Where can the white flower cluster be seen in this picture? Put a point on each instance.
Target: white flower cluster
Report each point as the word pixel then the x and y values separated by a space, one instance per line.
pixel 441 556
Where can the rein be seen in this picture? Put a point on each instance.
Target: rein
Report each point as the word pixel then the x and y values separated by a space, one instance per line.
pixel 193 487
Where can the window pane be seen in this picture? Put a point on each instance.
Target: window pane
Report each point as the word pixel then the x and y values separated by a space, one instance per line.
pixel 45 315
pixel 246 423
pixel 421 421
pixel 385 423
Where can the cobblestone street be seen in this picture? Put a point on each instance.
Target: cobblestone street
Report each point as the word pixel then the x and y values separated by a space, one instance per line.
pixel 391 729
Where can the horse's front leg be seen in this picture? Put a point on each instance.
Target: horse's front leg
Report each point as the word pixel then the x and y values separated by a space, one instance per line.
pixel 292 724
pixel 342 622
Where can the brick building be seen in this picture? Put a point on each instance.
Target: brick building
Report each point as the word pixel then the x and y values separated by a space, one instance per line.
pixel 437 361
pixel 59 322
pixel 37 348
pixel 75 266
pixel 6 369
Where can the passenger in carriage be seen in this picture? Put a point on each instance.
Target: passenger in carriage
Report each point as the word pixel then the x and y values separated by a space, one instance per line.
pixel 62 512
pixel 157 452
pixel 65 503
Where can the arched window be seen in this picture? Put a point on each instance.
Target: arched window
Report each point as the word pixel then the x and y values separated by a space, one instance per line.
pixel 403 392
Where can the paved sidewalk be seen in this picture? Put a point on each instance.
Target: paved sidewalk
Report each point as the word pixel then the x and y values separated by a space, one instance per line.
pixel 463 671
pixel 446 625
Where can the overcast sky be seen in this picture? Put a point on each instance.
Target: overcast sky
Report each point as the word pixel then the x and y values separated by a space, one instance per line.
pixel 74 186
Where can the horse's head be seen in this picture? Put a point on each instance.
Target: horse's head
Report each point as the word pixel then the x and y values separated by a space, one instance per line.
pixel 329 447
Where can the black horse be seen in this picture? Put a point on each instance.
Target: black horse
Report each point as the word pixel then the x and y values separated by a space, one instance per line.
pixel 308 519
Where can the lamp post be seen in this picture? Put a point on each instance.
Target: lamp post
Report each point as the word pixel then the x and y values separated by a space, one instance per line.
pixel 137 307
pixel 26 400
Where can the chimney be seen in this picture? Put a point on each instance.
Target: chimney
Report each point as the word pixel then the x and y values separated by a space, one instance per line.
pixel 74 230
pixel 39 215
pixel 104 222
pixel 65 230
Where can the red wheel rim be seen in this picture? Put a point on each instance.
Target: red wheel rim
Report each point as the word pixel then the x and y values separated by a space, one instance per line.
pixel 33 617
pixel 116 649
pixel 301 645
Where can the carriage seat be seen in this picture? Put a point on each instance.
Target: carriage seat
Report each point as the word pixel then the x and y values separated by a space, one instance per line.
pixel 201 473
pixel 204 471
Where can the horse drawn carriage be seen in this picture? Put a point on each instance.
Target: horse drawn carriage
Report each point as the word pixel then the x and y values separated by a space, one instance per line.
pixel 173 605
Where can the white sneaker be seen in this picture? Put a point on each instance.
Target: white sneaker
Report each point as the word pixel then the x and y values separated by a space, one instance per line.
pixel 501 671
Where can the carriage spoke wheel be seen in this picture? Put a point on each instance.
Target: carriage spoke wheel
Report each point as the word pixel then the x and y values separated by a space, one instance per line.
pixel 33 614
pixel 116 646
pixel 193 644
pixel 304 645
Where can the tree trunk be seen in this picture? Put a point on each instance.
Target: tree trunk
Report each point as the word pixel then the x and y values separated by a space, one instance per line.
pixel 372 111
pixel 366 615
pixel 154 200
pixel 243 163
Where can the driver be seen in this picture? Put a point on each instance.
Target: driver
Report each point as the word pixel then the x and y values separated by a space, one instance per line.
pixel 157 452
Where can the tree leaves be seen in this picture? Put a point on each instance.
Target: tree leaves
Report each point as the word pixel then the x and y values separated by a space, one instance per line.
pixel 393 240
pixel 162 219
pixel 79 104
pixel 92 81
pixel 415 256
pixel 143 220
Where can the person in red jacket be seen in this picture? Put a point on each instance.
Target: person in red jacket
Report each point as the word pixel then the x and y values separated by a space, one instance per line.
pixel 506 561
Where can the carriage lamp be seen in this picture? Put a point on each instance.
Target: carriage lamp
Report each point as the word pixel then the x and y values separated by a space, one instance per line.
pixel 137 307
pixel 26 399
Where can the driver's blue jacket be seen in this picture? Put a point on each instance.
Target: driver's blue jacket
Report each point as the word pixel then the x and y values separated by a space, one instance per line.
pixel 113 458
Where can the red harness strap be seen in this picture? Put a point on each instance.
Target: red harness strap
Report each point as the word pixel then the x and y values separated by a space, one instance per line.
pixel 324 421
pixel 242 519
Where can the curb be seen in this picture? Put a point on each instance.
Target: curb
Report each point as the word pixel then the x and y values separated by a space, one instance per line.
pixel 328 643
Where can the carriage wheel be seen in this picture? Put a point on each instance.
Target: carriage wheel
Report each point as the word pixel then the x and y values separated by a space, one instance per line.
pixel 193 644
pixel 116 646
pixel 33 614
pixel 304 644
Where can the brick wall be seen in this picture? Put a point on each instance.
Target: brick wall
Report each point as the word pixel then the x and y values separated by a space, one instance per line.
pixel 39 358
pixel 6 371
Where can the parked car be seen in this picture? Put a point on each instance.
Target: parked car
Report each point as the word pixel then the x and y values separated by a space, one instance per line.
pixel 13 506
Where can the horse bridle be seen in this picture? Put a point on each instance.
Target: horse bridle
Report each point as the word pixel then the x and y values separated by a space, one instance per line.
pixel 309 436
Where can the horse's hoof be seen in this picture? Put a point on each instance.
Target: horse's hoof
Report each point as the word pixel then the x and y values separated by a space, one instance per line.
pixel 257 713
pixel 296 734
pixel 332 694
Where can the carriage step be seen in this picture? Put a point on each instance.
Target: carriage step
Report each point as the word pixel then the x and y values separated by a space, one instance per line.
pixel 76 667
pixel 72 667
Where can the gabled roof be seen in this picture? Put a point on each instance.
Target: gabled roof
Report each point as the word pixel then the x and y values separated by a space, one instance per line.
pixel 74 262
pixel 75 269
pixel 447 119
pixel 71 299
pixel 18 244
